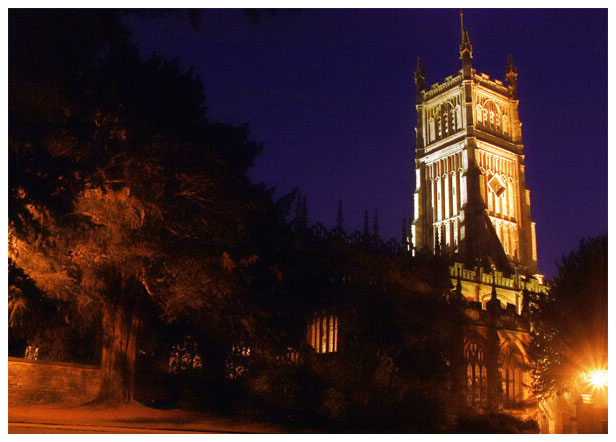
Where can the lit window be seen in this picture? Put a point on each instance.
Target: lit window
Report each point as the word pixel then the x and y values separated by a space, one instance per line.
pixel 476 375
pixel 323 334
pixel 511 374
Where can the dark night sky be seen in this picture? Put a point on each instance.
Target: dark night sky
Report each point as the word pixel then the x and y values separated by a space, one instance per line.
pixel 331 95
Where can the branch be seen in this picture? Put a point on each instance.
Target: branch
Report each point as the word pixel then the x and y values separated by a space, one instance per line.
pixel 145 283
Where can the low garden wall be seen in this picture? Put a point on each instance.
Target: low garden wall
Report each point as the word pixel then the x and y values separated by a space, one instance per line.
pixel 45 382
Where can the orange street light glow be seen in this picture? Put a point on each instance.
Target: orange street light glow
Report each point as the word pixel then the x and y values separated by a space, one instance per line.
pixel 598 378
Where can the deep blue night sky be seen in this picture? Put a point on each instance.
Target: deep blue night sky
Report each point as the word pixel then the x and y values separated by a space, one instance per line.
pixel 331 95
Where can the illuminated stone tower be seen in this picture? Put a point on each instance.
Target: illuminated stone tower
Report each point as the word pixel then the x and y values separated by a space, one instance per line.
pixel 470 196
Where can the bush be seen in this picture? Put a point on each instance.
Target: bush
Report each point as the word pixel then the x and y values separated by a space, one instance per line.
pixel 495 423
pixel 287 394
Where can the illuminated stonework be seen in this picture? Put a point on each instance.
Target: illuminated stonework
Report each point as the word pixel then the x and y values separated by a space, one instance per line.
pixel 469 168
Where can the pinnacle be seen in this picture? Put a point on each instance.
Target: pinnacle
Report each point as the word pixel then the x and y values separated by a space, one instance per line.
pixel 466 45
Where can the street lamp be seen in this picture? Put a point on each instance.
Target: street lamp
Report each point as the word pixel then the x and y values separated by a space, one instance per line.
pixel 597 378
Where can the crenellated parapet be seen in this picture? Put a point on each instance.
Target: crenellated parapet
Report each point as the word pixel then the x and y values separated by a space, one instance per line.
pixel 438 88
pixel 492 84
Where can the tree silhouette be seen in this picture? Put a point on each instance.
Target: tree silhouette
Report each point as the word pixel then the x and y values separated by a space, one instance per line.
pixel 122 193
pixel 569 333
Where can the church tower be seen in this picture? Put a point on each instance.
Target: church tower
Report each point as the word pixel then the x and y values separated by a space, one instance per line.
pixel 471 197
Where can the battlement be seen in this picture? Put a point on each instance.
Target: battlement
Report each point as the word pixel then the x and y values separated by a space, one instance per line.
pixel 438 88
pixel 493 84
pixel 516 282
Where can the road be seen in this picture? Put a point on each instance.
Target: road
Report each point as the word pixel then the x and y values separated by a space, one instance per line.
pixel 30 428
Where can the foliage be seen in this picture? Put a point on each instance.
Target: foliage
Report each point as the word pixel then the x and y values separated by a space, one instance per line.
pixel 60 329
pixel 494 423
pixel 569 334
pixel 127 134
pixel 286 393
pixel 121 192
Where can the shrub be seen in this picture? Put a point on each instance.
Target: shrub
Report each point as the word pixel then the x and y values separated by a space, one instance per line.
pixel 287 394
pixel 495 423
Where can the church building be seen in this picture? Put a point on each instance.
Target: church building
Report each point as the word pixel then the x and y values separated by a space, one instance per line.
pixel 471 205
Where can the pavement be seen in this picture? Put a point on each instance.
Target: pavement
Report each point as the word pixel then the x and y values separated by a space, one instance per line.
pixel 130 418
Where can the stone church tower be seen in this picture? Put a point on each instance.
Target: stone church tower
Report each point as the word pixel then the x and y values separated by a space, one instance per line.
pixel 471 202
pixel 471 197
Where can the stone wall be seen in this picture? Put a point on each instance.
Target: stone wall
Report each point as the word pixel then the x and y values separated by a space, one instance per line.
pixel 44 382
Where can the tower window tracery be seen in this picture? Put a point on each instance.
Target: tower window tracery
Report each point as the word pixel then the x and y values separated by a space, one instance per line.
pixel 443 119
pixel 491 116
pixel 459 116
pixel 431 129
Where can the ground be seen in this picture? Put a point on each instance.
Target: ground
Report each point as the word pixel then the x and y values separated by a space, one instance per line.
pixel 131 418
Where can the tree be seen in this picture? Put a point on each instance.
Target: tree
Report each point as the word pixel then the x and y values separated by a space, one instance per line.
pixel 569 324
pixel 122 193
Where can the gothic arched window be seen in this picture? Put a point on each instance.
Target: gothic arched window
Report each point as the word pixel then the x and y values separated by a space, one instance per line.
pixel 323 334
pixel 511 374
pixel 476 375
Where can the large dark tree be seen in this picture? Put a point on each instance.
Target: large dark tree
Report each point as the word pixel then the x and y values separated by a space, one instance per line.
pixel 569 333
pixel 122 193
